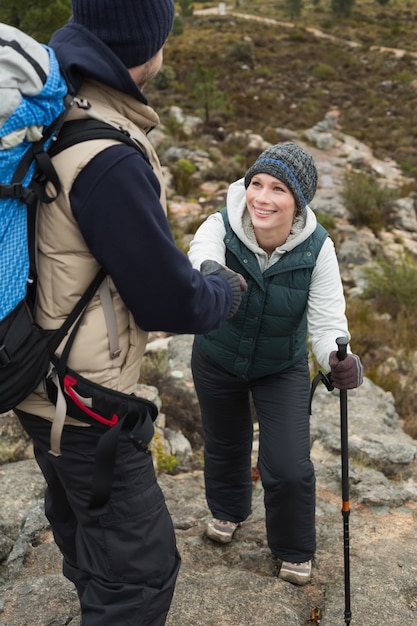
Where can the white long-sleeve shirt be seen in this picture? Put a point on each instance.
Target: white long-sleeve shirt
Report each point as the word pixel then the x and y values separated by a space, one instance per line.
pixel 326 319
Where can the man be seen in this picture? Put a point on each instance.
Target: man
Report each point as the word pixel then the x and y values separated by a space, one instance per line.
pixel 121 556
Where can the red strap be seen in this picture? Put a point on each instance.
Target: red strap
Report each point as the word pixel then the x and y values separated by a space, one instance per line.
pixel 70 382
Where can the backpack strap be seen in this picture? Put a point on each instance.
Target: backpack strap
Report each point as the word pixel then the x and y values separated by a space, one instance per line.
pixel 77 312
pixel 45 171
pixel 75 317
pixel 87 129
pixel 110 318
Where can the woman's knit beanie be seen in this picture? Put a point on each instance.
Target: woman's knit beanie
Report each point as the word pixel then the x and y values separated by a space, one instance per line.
pixel 133 29
pixel 291 165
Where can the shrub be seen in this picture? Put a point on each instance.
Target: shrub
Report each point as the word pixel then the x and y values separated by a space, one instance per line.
pixel 242 51
pixel 186 8
pixel 227 170
pixel 405 396
pixel 175 129
pixel 178 27
pixel 182 173
pixel 404 76
pixel 383 325
pixel 326 220
pixel 323 71
pixel 369 203
pixel 164 78
pixel 153 368
pixel 342 7
pixel 392 285
pixel 165 461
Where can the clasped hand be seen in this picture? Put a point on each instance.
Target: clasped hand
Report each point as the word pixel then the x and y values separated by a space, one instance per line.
pixel 346 374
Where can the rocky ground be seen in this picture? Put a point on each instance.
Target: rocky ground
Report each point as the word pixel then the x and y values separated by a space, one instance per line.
pixel 236 585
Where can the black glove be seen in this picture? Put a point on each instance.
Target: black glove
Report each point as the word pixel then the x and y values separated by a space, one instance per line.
pixel 236 281
pixel 346 374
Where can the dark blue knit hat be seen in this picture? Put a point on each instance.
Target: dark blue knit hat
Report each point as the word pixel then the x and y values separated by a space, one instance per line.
pixel 133 29
pixel 293 166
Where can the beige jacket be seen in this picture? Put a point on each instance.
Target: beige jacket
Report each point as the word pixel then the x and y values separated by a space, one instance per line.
pixel 66 266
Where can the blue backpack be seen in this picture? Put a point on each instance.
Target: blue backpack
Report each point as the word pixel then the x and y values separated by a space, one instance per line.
pixel 34 100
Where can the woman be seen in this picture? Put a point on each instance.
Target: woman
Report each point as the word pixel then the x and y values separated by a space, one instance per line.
pixel 269 235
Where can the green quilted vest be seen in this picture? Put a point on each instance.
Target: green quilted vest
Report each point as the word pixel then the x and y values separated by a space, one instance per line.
pixel 269 331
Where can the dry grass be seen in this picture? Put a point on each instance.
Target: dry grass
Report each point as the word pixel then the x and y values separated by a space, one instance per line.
pixel 295 77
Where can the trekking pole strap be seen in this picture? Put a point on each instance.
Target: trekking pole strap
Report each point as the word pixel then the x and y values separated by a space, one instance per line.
pixel 320 377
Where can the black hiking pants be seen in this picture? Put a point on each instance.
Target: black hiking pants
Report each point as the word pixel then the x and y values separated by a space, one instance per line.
pixel 121 558
pixel 287 474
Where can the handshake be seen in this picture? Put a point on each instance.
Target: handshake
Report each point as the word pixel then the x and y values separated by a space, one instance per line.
pixel 236 281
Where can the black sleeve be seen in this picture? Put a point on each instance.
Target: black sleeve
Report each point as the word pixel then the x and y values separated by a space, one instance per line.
pixel 115 200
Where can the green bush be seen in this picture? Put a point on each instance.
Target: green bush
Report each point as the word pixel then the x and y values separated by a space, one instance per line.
pixel 404 76
pixel 377 338
pixel 393 285
pixel 326 220
pixel 186 8
pixel 153 367
pixel 369 203
pixel 383 324
pixel 164 78
pixel 323 71
pixel 342 7
pixel 165 461
pixel 242 52
pixel 182 172
pixel 178 27
pixel 227 170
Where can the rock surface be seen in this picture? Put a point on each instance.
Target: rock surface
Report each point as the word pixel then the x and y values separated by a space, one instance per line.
pixel 236 585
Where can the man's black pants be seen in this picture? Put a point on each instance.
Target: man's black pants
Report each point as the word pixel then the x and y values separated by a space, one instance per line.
pixel 122 558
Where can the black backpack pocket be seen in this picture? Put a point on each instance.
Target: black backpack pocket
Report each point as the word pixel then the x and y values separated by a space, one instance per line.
pixel 24 356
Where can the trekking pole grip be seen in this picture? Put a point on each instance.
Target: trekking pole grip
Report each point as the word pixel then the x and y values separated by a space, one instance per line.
pixel 342 343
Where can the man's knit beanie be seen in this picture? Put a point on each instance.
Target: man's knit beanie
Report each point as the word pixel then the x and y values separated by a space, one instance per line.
pixel 291 165
pixel 133 29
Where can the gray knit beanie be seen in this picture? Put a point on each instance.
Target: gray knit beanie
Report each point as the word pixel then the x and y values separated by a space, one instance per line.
pixel 133 29
pixel 293 166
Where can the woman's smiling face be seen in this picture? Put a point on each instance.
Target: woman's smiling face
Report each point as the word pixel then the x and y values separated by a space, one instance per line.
pixel 271 205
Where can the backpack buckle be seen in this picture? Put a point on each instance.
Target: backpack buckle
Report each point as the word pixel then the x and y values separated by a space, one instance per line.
pixel 13 190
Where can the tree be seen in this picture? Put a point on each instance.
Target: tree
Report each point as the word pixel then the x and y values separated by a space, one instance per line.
pixel 38 19
pixel 342 7
pixel 206 93
pixel 294 8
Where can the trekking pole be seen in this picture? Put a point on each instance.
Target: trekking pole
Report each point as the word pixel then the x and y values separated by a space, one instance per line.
pixel 342 343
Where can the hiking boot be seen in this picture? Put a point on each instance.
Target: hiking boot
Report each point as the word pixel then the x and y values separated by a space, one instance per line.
pixel 296 573
pixel 220 530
